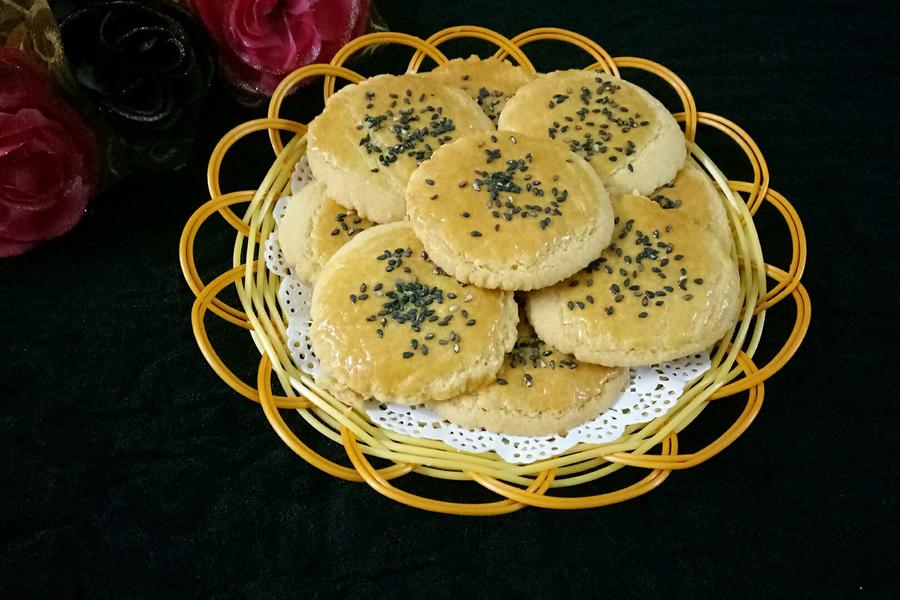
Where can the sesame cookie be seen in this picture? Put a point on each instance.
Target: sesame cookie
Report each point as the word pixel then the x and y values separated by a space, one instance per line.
pixel 538 391
pixel 507 210
pixel 665 288
pixel 491 82
pixel 626 134
pixel 313 228
pixel 372 135
pixel 694 193
pixel 391 325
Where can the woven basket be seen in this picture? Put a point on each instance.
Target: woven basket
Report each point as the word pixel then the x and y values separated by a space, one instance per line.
pixel 651 447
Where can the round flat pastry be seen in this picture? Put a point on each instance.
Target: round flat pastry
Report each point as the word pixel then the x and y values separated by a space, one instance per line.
pixel 538 391
pixel 665 288
pixel 491 82
pixel 312 229
pixel 626 134
pixel 507 210
pixel 371 136
pixel 696 195
pixel 389 324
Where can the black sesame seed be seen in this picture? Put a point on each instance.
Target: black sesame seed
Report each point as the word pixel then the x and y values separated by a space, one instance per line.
pixel 407 355
pixel 475 233
pixel 501 381
pixel 642 315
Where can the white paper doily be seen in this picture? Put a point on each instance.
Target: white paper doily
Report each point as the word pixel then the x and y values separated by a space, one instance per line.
pixel 651 393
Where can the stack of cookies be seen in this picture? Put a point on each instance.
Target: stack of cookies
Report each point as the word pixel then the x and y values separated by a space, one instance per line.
pixel 502 246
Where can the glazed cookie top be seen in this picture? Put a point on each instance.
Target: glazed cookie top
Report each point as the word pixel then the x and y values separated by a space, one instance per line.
pixel 491 82
pixel 663 289
pixel 628 136
pixel 508 210
pixel 372 135
pixel 389 324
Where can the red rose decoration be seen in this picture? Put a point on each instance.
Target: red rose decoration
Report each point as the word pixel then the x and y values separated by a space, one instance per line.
pixel 261 41
pixel 48 158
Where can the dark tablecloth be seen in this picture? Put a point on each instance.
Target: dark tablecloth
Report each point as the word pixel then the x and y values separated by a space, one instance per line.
pixel 130 470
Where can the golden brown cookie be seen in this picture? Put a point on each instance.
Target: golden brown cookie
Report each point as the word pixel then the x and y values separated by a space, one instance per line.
pixel 391 325
pixel 665 288
pixel 507 210
pixel 626 134
pixel 538 391
pixel 371 136
pixel 694 193
pixel 313 228
pixel 491 82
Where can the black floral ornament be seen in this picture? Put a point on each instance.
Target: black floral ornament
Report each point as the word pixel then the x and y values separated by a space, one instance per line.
pixel 147 68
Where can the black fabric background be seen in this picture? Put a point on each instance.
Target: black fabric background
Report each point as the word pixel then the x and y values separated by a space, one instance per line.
pixel 129 470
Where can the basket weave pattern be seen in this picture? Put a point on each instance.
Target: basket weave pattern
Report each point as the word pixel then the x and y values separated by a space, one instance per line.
pixel 652 447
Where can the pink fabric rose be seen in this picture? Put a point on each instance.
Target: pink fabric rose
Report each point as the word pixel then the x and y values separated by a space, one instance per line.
pixel 261 41
pixel 48 158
